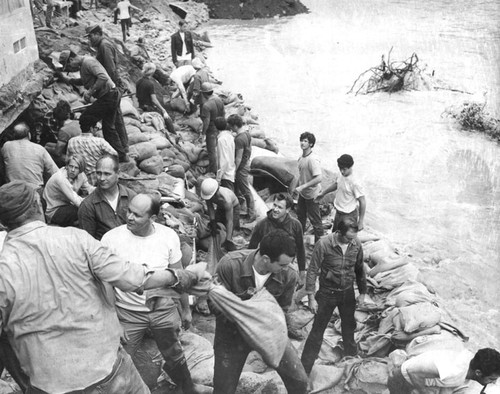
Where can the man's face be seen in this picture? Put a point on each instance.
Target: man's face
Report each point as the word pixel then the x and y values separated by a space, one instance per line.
pixel 345 171
pixel 72 65
pixel 279 209
pixel 182 28
pixel 94 39
pixel 279 265
pixel 304 144
pixel 138 215
pixel 107 177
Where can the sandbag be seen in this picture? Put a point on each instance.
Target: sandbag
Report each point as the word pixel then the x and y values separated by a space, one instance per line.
pixel 148 129
pixel 396 277
pixel 177 104
pixel 260 320
pixel 377 246
pixel 128 120
pixel 382 262
pixel 176 170
pixel 259 143
pixel 258 133
pixel 194 124
pixel 324 377
pixel 280 168
pixel 271 145
pixel 191 151
pixel 167 153
pixel 140 184
pixel 142 151
pixel 419 316
pixel 153 165
pixel 160 142
pixel 442 341
pixel 409 293
pixel 368 376
pixel 132 129
pixel 170 186
pixel 137 137
pixel 127 108
pixel 129 168
pixel 199 355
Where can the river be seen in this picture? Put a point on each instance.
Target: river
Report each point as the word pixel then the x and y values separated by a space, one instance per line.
pixel 431 188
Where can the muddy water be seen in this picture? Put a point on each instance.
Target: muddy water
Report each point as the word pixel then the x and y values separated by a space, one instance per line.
pixel 432 189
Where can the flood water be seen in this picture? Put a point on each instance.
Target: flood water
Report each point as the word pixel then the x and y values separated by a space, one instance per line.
pixel 430 187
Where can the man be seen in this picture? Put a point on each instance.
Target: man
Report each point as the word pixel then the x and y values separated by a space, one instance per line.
pixel 211 109
pixel 199 78
pixel 54 307
pixel 309 186
pixel 140 56
pixel 149 100
pixel 227 212
pixel 99 85
pixel 225 155
pixel 106 207
pixel 456 371
pixel 243 151
pixel 350 198
pixel 278 218
pixel 182 47
pixel 243 272
pixel 141 239
pixel 25 160
pixel 338 259
pixel 182 76
pixel 122 12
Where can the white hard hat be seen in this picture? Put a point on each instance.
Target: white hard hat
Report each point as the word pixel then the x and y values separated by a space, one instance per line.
pixel 208 188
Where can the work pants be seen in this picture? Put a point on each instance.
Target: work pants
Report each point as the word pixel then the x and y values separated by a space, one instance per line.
pixel 65 216
pixel 242 188
pixel 327 302
pixel 49 12
pixel 123 379
pixel 310 209
pixel 106 109
pixel 227 184
pixel 231 351
pixel 220 217
pixel 164 324
pixel 10 362
pixel 211 141
pixel 341 215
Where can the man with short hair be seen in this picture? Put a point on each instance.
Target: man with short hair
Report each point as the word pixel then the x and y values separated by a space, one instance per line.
pixel 181 44
pixel 308 185
pixel 99 85
pixel 106 207
pixel 141 239
pixel 338 259
pixel 225 155
pixel 279 218
pixel 244 272
pixel 122 12
pixel 54 303
pixel 350 198
pixel 211 109
pixel 26 161
pixel 243 152
pixel 202 75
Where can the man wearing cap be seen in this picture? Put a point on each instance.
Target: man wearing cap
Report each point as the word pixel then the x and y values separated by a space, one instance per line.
pixel 350 198
pixel 182 47
pixel 227 209
pixel 26 161
pixel 211 109
pixel 99 85
pixel 54 301
pixel 199 78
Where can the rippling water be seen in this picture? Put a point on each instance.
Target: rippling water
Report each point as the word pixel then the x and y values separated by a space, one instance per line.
pixel 429 185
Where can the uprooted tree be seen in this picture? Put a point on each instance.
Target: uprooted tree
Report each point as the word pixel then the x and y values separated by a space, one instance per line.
pixel 472 116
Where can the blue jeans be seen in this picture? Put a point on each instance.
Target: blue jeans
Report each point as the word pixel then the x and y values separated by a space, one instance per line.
pixel 310 209
pixel 327 302
pixel 123 379
pixel 231 351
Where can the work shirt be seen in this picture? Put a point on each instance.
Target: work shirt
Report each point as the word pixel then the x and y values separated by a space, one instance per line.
pixel 27 161
pixel 243 141
pixel 144 89
pixel 97 217
pixel 91 72
pixel 348 192
pixel 213 108
pixel 290 225
pixel 69 130
pixel 235 272
pixel 309 167
pixel 54 304
pixel 107 56
pixel 61 191
pixel 338 269
pixel 225 153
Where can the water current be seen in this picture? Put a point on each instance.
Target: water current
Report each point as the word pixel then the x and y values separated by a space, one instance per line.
pixel 431 188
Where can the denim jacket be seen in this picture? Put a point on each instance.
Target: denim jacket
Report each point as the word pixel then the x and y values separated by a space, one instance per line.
pixel 337 271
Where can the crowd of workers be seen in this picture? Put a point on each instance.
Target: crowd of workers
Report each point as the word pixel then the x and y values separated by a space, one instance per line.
pixel 73 300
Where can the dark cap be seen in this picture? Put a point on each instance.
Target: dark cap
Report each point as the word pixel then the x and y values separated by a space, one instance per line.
pixel 92 29
pixel 206 87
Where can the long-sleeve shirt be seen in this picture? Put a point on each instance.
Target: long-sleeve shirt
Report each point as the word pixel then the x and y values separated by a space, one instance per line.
pixel 210 110
pixel 27 161
pixel 290 225
pixel 56 304
pixel 60 191
pixel 94 77
pixel 337 269
pixel 107 56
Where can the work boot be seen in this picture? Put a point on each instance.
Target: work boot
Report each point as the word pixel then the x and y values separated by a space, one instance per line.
pixel 181 376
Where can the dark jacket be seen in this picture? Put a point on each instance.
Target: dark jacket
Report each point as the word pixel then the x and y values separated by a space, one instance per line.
pixel 176 45
pixel 107 56
pixel 290 225
pixel 337 271
pixel 210 110
pixel 96 216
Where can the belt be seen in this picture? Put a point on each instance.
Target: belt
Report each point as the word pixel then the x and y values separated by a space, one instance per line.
pixel 335 290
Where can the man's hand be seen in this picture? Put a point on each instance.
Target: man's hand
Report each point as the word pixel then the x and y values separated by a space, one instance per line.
pixel 61 77
pixel 200 270
pixel 361 226
pixel 313 305
pixel 299 189
pixel 87 96
pixel 186 318
pixel 361 299
pixel 302 278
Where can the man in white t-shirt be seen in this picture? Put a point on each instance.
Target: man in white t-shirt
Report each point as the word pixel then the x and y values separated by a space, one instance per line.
pixel 122 12
pixel 143 240
pixel 350 198
pixel 226 168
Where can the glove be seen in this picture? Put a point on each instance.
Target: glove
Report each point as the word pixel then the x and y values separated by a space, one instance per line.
pixel 229 245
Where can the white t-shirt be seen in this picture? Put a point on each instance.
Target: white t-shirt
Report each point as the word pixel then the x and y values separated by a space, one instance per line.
pixel 123 9
pixel 226 154
pixel 114 202
pixel 348 192
pixel 158 250
pixel 260 280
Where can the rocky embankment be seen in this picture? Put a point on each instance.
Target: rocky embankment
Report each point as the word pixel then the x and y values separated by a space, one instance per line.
pixel 250 9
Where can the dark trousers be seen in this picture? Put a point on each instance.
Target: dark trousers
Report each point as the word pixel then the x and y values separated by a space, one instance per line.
pixel 231 351
pixel 107 109
pixel 341 215
pixel 65 216
pixel 327 302
pixel 242 188
pixel 227 184
pixel 10 362
pixel 310 209
pixel 220 217
pixel 212 150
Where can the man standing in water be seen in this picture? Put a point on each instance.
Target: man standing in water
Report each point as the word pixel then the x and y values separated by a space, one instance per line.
pixel 350 194
pixel 309 186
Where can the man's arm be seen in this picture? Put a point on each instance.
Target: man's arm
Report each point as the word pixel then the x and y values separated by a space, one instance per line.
pixel 257 235
pixel 238 156
pixel 286 298
pixel 314 181
pixel 156 102
pixel 205 117
pixel 86 218
pixel 108 59
pixel 362 210
pixel 312 274
pixel 359 269
pixel 329 189
pixel 228 209
pixel 299 244
pixel 107 148
pixel 185 311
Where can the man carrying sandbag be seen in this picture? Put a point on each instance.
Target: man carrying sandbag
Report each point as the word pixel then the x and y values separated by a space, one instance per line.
pixel 338 259
pixel 245 272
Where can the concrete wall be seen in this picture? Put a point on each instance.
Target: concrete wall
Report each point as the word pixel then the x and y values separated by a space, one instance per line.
pixel 18 46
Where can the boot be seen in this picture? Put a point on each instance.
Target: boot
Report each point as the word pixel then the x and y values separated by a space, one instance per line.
pixel 181 376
